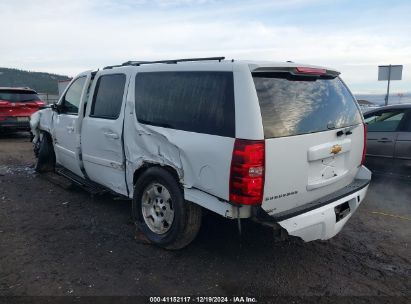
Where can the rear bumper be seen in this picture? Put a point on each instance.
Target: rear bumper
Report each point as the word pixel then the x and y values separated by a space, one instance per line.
pixel 318 220
pixel 12 123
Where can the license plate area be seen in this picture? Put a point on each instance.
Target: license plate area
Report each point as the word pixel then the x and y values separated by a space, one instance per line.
pixel 341 211
pixel 20 119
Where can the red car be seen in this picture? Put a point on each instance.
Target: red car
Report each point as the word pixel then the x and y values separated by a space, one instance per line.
pixel 16 106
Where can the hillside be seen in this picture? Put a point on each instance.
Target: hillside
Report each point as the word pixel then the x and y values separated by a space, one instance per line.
pixel 39 81
pixel 379 99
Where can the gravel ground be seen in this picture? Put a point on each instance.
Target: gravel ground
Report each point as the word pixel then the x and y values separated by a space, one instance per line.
pixel 57 241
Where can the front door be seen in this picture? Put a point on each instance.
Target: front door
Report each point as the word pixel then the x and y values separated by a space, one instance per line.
pixel 102 131
pixel 66 125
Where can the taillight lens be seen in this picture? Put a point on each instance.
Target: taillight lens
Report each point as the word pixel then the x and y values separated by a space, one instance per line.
pixel 310 71
pixel 247 172
pixel 40 103
pixel 364 150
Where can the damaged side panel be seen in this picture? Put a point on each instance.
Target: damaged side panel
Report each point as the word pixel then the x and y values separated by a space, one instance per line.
pixel 198 163
pixel 192 157
pixel 41 121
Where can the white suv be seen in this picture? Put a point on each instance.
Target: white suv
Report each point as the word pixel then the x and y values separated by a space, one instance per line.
pixel 282 143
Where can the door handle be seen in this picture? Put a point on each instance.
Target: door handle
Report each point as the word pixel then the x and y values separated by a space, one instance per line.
pixel 384 140
pixel 111 135
pixel 70 128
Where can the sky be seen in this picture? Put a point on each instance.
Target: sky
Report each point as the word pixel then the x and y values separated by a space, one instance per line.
pixel 68 37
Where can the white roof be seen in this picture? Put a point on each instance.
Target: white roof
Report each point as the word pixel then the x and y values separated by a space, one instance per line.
pixel 219 65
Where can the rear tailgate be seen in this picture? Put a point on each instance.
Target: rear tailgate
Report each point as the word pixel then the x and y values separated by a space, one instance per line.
pixel 314 137
pixel 301 169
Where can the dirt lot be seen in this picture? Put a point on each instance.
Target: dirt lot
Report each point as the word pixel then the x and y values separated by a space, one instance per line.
pixel 57 241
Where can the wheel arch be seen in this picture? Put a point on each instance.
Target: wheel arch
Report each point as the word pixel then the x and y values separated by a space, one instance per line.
pixel 46 133
pixel 145 166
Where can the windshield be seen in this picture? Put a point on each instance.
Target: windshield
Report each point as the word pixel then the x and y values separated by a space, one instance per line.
pixel 18 96
pixel 299 105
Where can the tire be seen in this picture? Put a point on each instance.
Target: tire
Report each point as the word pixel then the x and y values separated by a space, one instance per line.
pixel 170 232
pixel 46 160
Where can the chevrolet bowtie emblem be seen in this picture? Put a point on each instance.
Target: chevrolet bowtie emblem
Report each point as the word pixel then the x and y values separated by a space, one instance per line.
pixel 336 149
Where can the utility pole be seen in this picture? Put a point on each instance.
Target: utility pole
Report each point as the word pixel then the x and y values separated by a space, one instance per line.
pixel 388 86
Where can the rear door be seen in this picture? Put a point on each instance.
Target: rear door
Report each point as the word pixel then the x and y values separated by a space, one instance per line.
pixel 381 138
pixel 402 150
pixel 102 131
pixel 314 137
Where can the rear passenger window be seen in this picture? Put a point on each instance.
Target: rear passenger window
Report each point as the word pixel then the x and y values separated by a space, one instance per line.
pixel 200 102
pixel 384 121
pixel 108 96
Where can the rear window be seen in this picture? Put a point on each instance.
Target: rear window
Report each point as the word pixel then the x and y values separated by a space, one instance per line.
pixel 18 96
pixel 300 105
pixel 201 102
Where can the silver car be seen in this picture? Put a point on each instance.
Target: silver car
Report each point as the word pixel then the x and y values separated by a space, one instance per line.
pixel 389 139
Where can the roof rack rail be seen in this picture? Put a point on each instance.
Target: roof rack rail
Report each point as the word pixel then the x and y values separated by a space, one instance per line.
pixel 111 66
pixel 170 61
pixel 123 64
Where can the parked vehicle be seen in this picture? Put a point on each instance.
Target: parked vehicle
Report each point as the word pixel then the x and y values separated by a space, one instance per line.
pixel 16 106
pixel 281 143
pixel 389 139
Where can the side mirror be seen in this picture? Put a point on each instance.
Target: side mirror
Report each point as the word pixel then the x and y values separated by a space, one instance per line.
pixel 55 107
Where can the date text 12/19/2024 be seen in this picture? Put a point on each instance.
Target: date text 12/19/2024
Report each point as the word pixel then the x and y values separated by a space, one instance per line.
pixel 201 299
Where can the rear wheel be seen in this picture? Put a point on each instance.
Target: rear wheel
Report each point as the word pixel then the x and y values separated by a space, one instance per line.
pixel 46 158
pixel 160 211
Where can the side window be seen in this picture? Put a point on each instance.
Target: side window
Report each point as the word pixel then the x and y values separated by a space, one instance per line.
pixel 387 121
pixel 200 102
pixel 108 96
pixel 71 100
pixel 406 124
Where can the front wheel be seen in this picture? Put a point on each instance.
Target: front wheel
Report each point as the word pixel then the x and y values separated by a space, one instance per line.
pixel 160 211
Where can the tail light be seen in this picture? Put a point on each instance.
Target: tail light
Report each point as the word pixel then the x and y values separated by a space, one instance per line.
pixel 247 172
pixel 364 150
pixel 310 71
pixel 40 103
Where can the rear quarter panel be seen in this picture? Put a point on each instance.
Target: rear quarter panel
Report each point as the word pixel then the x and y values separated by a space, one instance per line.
pixel 202 161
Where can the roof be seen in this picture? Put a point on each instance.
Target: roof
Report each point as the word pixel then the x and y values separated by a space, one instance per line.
pixel 254 65
pixel 392 107
pixel 27 89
